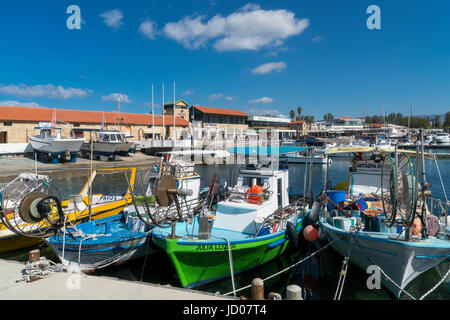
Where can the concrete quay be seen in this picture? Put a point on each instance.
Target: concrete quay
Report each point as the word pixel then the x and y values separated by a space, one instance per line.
pixel 71 286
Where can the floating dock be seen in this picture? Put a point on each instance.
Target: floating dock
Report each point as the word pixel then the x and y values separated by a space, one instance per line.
pixel 74 286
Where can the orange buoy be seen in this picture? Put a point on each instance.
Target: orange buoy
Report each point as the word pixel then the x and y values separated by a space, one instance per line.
pixel 417 226
pixel 310 233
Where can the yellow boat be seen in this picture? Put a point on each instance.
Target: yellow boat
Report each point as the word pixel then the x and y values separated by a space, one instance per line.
pixel 78 209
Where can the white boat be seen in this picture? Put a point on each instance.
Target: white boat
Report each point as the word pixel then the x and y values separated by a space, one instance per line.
pixel 301 158
pixel 50 141
pixel 441 139
pixel 391 239
pixel 108 143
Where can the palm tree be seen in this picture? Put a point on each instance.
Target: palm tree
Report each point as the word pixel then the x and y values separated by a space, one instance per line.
pixel 292 114
pixel 299 111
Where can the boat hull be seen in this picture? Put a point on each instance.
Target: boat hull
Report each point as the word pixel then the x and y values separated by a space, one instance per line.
pixel 100 255
pixel 202 261
pixel 402 261
pixel 56 145
pixel 10 241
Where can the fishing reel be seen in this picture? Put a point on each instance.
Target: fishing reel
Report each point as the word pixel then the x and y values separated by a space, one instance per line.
pixel 168 208
pixel 30 208
pixel 398 194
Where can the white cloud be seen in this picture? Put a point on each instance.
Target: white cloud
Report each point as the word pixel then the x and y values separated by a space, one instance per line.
pixel 269 67
pixel 215 96
pixel 112 18
pixel 249 28
pixel 10 103
pixel 39 91
pixel 230 98
pixel 262 100
pixel 188 92
pixel 148 29
pixel 115 97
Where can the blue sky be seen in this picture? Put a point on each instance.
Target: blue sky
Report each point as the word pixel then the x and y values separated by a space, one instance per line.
pixel 258 57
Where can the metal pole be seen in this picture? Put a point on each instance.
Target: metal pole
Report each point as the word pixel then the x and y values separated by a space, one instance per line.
pixel 163 128
pixel 310 178
pixel 174 108
pixel 153 117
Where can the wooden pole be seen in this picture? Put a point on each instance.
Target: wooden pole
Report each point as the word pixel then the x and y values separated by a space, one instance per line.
pixel 34 256
pixel 257 289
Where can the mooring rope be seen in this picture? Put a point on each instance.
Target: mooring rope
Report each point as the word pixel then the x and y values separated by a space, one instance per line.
pixel 343 273
pixel 436 286
pixel 284 270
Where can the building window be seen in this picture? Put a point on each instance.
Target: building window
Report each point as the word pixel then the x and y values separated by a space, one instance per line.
pixel 76 125
pixel 7 124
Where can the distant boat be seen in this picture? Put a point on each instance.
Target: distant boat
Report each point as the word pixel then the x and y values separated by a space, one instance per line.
pixel 108 143
pixel 51 142
pixel 302 159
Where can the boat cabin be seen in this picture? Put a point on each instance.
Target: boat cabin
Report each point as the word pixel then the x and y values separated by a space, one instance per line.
pixel 111 136
pixel 259 192
pixel 48 132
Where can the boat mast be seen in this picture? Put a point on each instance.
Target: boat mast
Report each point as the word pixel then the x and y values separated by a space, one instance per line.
pixel 163 113
pixel 153 117
pixel 118 109
pixel 174 106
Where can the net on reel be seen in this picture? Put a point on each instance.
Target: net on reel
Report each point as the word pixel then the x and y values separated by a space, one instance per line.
pixel 30 206
pixel 168 206
pixel 398 194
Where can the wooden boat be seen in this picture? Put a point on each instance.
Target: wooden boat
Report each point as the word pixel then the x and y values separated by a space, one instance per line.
pixel 383 220
pixel 253 225
pixel 17 233
pixel 97 244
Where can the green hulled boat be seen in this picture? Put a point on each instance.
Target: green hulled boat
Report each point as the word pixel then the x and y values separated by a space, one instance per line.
pixel 253 225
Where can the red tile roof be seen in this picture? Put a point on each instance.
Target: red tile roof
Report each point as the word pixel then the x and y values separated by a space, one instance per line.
pixel 346 118
pixel 228 112
pixel 28 114
pixel 299 121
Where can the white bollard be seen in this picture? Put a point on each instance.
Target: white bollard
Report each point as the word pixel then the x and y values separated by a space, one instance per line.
pixel 294 292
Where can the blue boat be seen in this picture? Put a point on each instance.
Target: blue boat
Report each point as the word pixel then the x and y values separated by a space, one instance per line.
pixel 94 245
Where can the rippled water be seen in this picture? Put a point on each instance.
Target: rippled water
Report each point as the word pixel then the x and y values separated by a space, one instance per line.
pixel 158 268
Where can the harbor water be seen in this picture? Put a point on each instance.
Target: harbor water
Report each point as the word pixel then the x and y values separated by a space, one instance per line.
pixel 319 276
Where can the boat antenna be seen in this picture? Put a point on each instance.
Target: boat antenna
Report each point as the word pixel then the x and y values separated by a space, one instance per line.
pixel 90 175
pixel 118 109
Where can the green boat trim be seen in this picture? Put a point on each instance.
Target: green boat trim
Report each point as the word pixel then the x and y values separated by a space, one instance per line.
pixel 201 261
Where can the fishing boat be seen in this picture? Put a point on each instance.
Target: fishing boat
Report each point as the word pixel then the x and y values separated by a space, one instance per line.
pixel 94 245
pixel 254 224
pixel 303 159
pixel 383 219
pixel 20 230
pixel 51 144
pixel 107 143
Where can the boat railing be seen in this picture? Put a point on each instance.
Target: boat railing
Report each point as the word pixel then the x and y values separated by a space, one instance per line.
pixel 438 208
pixel 255 198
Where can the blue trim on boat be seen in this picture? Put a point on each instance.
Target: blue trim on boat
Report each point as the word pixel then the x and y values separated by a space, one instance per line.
pixel 276 243
pixel 433 257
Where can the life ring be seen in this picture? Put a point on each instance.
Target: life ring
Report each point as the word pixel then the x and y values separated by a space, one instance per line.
pixel 292 234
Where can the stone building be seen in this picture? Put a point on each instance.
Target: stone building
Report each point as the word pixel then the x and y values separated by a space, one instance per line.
pixel 17 123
